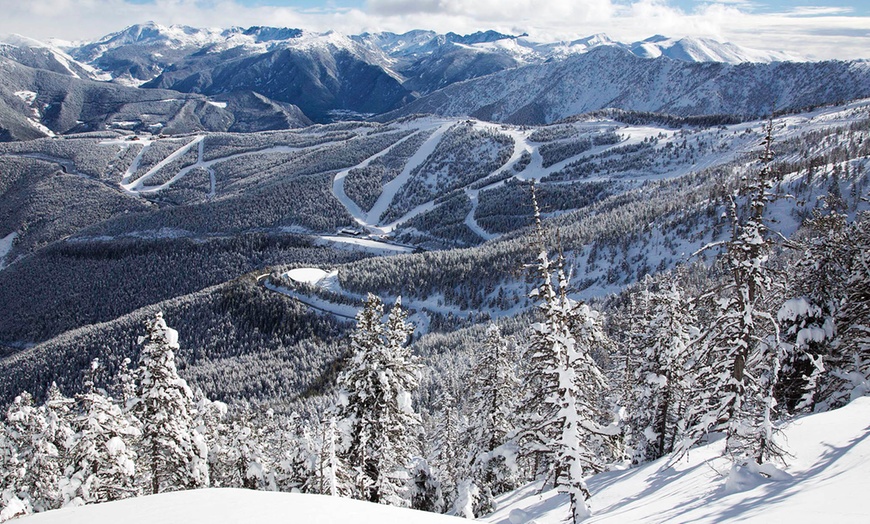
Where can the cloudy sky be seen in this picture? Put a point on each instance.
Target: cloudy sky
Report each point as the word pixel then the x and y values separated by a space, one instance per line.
pixel 814 29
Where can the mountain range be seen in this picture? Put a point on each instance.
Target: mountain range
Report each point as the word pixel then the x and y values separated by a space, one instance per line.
pixel 170 79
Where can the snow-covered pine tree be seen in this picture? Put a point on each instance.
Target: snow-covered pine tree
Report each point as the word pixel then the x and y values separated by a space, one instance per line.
pixel 739 355
pixel 237 456
pixel 173 453
pixel 447 460
pixel 35 460
pixel 331 467
pixel 425 488
pixel 58 409
pixel 492 386
pixel 374 408
pixel 849 375
pixel 297 451
pixel 102 461
pixel 15 500
pixel 124 390
pixel 663 331
pixel 561 409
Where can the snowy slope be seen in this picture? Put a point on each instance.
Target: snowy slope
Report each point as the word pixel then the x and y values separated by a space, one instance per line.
pixel 826 480
pixel 236 506
pixel 691 49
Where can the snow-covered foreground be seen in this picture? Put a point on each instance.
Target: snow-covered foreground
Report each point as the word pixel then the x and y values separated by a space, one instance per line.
pixel 236 506
pixel 827 480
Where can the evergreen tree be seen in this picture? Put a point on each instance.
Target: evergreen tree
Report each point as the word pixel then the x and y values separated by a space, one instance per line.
pixel 237 455
pixel 491 408
pixel 173 453
pixel 35 459
pixel 447 458
pixel 849 363
pixel 740 354
pixel 663 332
pixel 374 408
pixel 561 409
pixel 102 466
pixel 425 488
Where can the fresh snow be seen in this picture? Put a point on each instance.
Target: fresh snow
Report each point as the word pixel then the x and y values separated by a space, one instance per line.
pixel 826 480
pixel 236 506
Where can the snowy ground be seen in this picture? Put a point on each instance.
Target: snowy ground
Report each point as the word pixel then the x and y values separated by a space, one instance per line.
pixel 236 506
pixel 826 480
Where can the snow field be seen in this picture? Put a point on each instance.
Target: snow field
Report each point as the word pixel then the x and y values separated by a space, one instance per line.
pixel 237 506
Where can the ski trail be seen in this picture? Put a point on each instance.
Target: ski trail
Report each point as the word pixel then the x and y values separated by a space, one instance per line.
pixel 352 207
pixel 471 222
pixel 134 165
pixel 137 185
pixel 373 217
pixel 213 188
pixel 521 145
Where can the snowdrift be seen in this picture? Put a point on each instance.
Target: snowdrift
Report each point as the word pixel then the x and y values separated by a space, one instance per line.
pixel 826 480
pixel 236 506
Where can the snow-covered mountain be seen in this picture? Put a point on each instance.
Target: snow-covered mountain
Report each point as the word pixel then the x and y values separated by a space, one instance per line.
pixel 692 49
pixel 40 55
pixel 613 77
pixel 327 72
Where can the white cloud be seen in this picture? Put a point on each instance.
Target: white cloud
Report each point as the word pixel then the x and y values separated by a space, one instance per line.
pixel 820 10
pixel 813 32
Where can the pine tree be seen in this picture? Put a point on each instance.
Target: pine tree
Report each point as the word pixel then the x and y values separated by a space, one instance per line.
pixel 740 354
pixel 35 462
pixel 425 488
pixel 491 408
pixel 659 354
pixel 561 408
pixel 103 463
pixel 173 453
pixel 374 408
pixel 447 458
pixel 849 364
pixel 301 457
pixel 237 454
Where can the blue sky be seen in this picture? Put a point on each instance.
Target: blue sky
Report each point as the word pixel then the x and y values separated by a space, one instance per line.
pixel 814 29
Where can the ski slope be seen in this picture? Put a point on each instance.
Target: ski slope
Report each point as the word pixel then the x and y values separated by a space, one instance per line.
pixel 672 152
